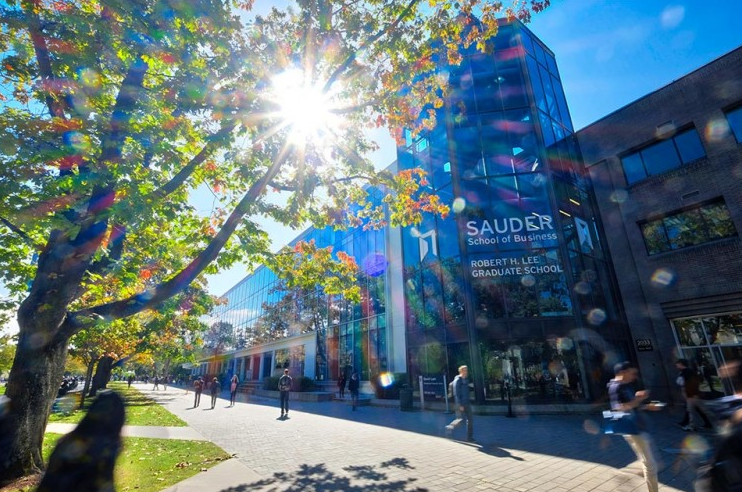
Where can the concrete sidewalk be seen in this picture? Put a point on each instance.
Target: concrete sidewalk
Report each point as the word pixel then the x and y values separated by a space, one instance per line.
pixel 183 433
pixel 328 447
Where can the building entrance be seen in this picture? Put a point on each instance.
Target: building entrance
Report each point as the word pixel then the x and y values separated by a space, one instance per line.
pixel 709 342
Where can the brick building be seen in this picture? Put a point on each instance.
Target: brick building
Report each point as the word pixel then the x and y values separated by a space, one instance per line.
pixel 667 172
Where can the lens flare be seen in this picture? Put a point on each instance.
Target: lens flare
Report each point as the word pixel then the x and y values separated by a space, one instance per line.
pixel 459 204
pixel 596 317
pixel 386 379
pixel 528 280
pixel 717 130
pixel 663 277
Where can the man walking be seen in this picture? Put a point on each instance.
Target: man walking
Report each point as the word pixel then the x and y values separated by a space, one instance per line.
pixel 463 404
pixel 216 388
pixel 689 382
pixel 284 386
pixel 624 399
pixel 198 387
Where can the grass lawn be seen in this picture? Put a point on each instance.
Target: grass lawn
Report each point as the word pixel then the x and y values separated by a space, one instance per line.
pixel 140 410
pixel 150 465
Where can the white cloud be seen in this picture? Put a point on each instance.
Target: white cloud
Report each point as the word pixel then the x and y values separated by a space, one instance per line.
pixel 672 16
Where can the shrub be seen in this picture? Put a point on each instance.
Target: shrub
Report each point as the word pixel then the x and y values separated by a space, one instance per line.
pixel 270 383
pixel 306 384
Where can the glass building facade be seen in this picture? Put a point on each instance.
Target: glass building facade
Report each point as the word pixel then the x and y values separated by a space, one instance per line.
pixel 515 283
pixel 310 333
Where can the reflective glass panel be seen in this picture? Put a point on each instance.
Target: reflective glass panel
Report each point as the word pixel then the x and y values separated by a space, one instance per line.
pixel 689 145
pixel 633 168
pixel 660 157
pixel 718 221
pixel 734 118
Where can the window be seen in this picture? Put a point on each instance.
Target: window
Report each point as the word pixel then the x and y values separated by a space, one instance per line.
pixel 690 227
pixel 663 156
pixel 734 117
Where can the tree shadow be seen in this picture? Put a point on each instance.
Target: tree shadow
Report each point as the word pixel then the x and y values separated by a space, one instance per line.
pixel 317 478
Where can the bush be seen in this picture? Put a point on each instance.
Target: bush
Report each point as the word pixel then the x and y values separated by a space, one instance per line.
pixel 306 384
pixel 390 392
pixel 270 383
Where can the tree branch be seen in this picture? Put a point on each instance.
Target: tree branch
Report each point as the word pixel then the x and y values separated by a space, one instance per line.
pixel 182 175
pixel 78 320
pixel 23 235
pixel 42 54
pixel 351 58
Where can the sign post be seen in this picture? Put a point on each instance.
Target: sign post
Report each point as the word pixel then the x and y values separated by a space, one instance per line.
pixel 445 392
pixel 422 394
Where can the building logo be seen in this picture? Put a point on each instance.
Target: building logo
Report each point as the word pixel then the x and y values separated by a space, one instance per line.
pixel 423 243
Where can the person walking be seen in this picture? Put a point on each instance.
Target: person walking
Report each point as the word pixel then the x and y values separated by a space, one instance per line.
pixel 353 386
pixel 623 398
pixel 341 386
pixel 233 390
pixel 284 387
pixel 462 398
pixel 129 380
pixel 689 383
pixel 723 471
pixel 157 384
pixel 216 387
pixel 198 387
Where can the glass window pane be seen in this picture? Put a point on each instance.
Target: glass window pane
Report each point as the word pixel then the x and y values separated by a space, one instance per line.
pixel 510 79
pixel 655 237
pixel 660 157
pixel 549 93
pixel 690 332
pixel 540 54
pixel 718 221
pixel 486 90
pixel 562 104
pixel 546 129
pixel 527 42
pixel 735 123
pixel 689 145
pixel 685 229
pixel 551 62
pixel 538 90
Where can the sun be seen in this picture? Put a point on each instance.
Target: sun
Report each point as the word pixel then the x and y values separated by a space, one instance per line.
pixel 305 108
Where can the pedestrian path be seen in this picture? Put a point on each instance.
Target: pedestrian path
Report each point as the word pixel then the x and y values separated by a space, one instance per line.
pixel 183 433
pixel 327 446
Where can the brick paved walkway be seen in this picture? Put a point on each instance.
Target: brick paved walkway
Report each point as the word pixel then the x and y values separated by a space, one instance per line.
pixel 328 447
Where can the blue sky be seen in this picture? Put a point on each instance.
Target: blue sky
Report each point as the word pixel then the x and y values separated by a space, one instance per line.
pixel 609 53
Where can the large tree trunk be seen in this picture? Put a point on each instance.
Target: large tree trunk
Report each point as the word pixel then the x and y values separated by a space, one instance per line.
pixel 33 385
pixel 88 380
pixel 102 374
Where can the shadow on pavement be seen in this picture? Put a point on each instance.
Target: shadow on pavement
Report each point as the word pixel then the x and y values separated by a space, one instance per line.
pixel 366 478
pixel 575 437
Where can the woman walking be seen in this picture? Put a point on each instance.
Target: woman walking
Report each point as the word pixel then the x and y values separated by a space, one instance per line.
pixel 353 386
pixel 341 386
pixel 233 390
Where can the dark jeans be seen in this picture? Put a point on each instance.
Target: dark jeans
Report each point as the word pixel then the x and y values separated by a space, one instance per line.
pixel 213 399
pixel 284 402
pixel 354 398
pixel 233 397
pixel 197 401
pixel 467 414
